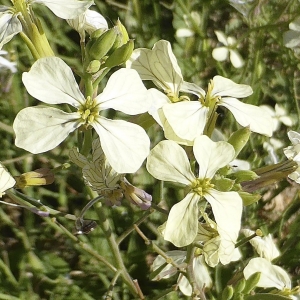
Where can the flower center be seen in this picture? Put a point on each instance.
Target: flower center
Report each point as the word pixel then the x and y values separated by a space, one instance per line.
pixel 89 110
pixel 201 186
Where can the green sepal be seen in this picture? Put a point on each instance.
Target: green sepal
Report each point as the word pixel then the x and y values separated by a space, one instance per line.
pixel 249 198
pixel 223 184
pixel 244 175
pixel 239 287
pixel 239 139
pixel 251 283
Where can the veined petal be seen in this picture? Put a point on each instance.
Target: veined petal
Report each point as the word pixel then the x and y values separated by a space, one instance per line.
pixel 220 53
pixel 271 275
pixel 192 88
pixel 125 145
pixel 6 180
pixel 187 118
pixel 9 25
pixel 39 129
pixel 51 80
pixel 125 92
pixel 226 87
pixel 226 204
pixel 211 156
pixel 182 224
pixel 236 59
pixel 159 65
pixel 249 115
pixel 66 9
pixel 168 161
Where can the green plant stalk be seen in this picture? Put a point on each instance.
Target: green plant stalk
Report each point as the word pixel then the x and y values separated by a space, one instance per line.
pixel 110 237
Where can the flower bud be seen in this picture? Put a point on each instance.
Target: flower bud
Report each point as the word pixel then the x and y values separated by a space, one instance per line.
pixel 239 139
pixel 41 176
pixel 227 293
pixel 251 283
pixel 93 67
pixel 136 196
pixel 120 55
pixel 103 44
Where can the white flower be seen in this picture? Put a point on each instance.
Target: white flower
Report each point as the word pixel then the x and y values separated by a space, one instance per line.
pixel 279 115
pixel 291 38
pixel 293 152
pixel 88 22
pixel 50 80
pixel 6 180
pixel 167 161
pixel 188 118
pixel 9 25
pixel 200 271
pixel 221 53
pixel 271 275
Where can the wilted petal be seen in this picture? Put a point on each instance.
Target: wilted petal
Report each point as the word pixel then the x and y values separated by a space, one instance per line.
pixel 211 156
pixel 39 129
pixel 9 25
pixel 125 145
pixel 159 65
pixel 249 115
pixel 125 92
pixel 225 204
pixel 66 9
pixel 226 87
pixel 182 223
pixel 51 80
pixel 220 53
pixel 271 275
pixel 187 118
pixel 168 161
pixel 6 180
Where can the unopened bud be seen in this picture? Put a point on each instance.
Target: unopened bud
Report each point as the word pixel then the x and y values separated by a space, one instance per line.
pixel 227 293
pixel 41 176
pixel 93 67
pixel 120 55
pixel 239 139
pixel 251 283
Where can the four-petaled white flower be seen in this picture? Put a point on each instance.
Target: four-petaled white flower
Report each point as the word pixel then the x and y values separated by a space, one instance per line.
pixel 6 180
pixel 271 275
pixel 50 80
pixel 293 152
pixel 168 161
pixel 221 53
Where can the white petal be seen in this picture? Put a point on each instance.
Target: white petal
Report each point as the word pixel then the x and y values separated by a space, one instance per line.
pixel 294 137
pixel 271 275
pixel 6 64
pixel 182 223
pixel 125 145
pixel 168 161
pixel 227 209
pixel 249 115
pixel 192 88
pixel 9 25
pixel 6 180
pixel 125 92
pixel 157 99
pixel 94 21
pixel 39 129
pixel 220 53
pixel 226 87
pixel 236 59
pixel 295 25
pixel 221 37
pixel 66 9
pixel 51 80
pixel 187 118
pixel 211 156
pixel 184 32
pixel 159 65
